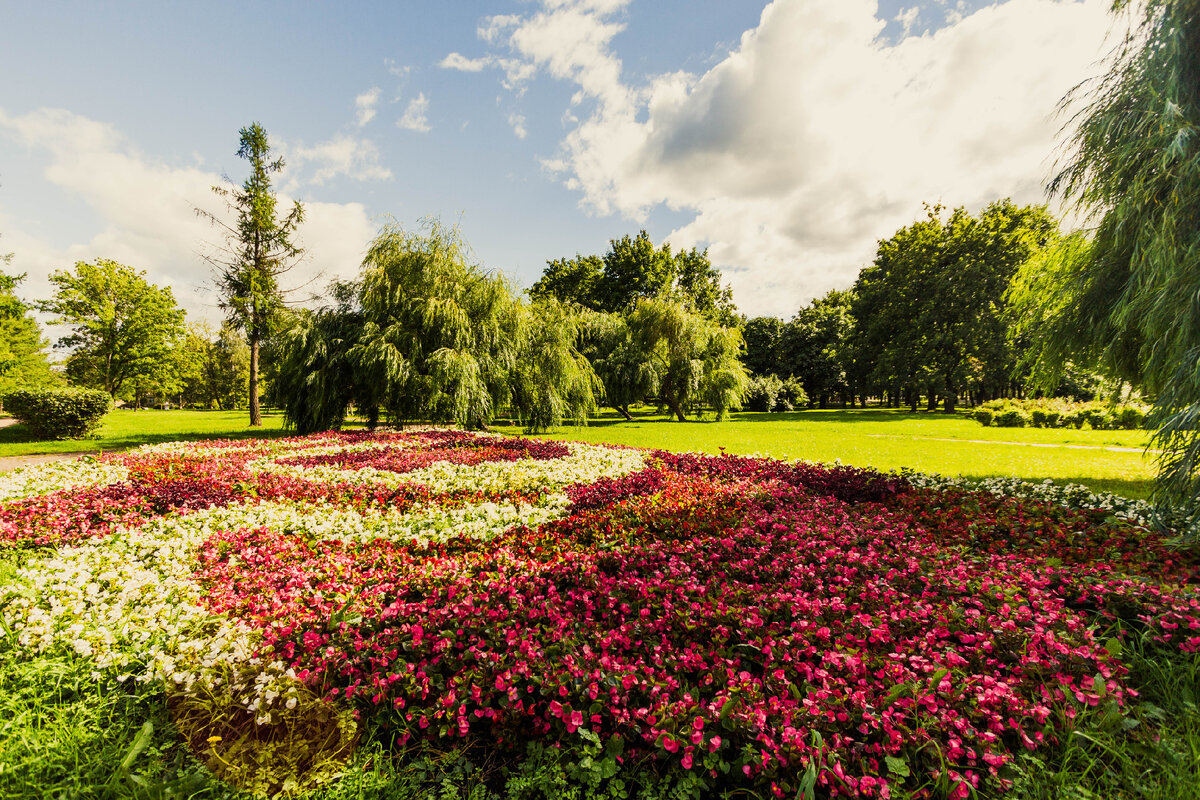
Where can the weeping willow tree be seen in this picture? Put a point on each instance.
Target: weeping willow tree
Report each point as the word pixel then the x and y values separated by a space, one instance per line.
pixel 695 359
pixel 317 380
pixel 440 339
pixel 1128 298
pixel 424 334
pixel 553 382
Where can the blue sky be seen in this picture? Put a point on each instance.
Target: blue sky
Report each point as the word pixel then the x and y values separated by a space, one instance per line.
pixel 787 137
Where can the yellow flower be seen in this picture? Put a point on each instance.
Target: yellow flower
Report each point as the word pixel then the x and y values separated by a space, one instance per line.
pixel 214 739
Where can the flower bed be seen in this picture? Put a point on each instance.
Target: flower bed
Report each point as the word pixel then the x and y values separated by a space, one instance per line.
pixel 751 623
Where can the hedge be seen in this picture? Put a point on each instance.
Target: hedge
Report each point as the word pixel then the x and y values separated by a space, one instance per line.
pixel 1057 413
pixel 58 413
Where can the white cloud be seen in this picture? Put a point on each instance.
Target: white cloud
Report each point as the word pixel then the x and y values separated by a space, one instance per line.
pixel 814 137
pixel 342 155
pixel 463 64
pixel 145 211
pixel 415 116
pixel 364 106
pixel 908 19
pixel 517 121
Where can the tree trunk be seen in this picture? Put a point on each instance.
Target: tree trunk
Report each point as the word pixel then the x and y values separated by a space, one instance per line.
pixel 624 413
pixel 931 401
pixel 674 406
pixel 255 412
pixel 949 403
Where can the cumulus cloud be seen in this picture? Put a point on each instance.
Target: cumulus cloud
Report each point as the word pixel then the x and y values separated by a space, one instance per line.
pixel 144 212
pixel 364 106
pixel 517 121
pixel 815 136
pixel 415 116
pixel 461 63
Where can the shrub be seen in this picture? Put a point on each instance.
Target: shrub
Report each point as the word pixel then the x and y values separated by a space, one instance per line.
pixel 983 416
pixel 1011 418
pixel 1038 418
pixel 792 395
pixel 59 413
pixel 769 394
pixel 1130 417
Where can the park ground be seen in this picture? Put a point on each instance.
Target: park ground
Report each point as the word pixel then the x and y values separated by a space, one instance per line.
pixel 885 439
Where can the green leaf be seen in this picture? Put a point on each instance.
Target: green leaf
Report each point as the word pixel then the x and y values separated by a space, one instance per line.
pixel 897 766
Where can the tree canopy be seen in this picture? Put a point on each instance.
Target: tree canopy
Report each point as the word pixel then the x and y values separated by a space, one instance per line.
pixel 633 268
pixel 23 359
pixel 930 308
pixel 124 329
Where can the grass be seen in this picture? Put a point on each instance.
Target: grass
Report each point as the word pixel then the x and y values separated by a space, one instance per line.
pixel 892 440
pixel 124 428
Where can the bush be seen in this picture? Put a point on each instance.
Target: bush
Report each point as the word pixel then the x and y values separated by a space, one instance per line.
pixel 762 393
pixel 1012 418
pixel 792 395
pixel 1055 412
pixel 58 413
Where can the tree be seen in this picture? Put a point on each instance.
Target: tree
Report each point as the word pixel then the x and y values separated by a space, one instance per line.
pixel 696 361
pixel 424 334
pixel 762 337
pixel 22 348
pixel 259 251
pixel 633 268
pixel 124 328
pixel 931 308
pixel 1132 168
pixel 814 346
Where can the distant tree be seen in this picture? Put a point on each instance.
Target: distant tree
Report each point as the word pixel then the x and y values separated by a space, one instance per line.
pixel 762 337
pixel 23 359
pixel 440 337
pixel 259 251
pixel 815 346
pixel 424 334
pixel 696 360
pixel 633 268
pixel 1125 297
pixel 552 382
pixel 124 329
pixel 317 381
pixel 930 309
pixel 571 280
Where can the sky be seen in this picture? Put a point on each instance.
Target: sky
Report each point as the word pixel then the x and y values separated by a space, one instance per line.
pixel 786 137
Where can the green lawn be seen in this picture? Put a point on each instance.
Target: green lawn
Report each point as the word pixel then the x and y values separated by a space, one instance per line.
pixel 890 440
pixel 123 428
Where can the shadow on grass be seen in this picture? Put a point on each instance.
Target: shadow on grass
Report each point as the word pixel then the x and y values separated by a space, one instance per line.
pixel 840 415
pixel 15 435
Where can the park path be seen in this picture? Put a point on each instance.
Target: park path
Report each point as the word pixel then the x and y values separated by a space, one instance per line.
pixel 12 462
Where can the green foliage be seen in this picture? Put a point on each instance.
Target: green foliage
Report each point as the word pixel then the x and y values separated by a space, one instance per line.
pixel 124 328
pixel 695 360
pixel 58 413
pixel 1133 169
pixel 762 335
pixel 317 381
pixel 815 346
pixel 440 338
pixel 23 359
pixel 762 394
pixel 552 381
pixel 1058 413
pixel 930 308
pixel 634 269
pixel 259 251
